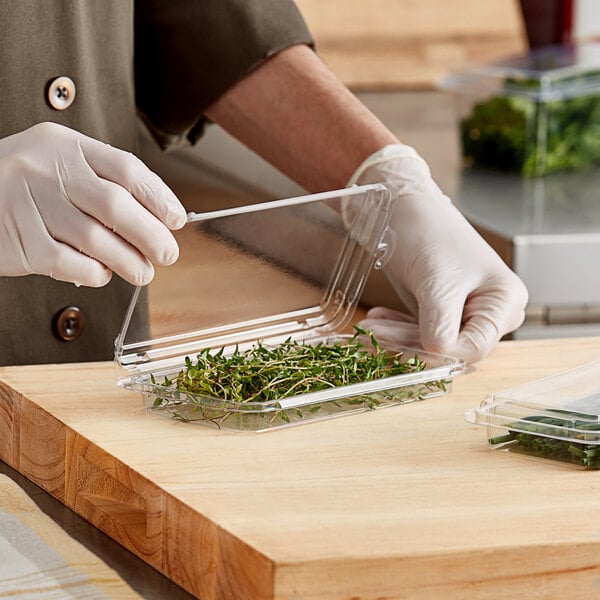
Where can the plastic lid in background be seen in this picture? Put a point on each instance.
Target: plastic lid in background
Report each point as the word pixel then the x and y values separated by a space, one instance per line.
pixel 547 73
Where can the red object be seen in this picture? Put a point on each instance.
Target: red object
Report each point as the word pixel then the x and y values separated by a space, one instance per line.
pixel 565 22
pixel 548 21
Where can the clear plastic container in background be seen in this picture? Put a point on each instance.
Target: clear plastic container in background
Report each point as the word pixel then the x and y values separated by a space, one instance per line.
pixel 291 269
pixel 533 114
pixel 555 418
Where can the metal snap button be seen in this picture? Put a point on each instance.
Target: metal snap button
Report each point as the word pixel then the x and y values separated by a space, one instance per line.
pixel 61 93
pixel 68 323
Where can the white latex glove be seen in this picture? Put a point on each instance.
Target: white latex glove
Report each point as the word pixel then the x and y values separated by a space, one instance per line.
pixel 76 209
pixel 462 295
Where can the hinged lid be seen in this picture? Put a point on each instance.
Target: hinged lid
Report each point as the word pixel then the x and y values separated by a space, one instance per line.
pixel 287 268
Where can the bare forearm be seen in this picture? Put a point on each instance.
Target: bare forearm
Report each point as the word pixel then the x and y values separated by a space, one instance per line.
pixel 298 116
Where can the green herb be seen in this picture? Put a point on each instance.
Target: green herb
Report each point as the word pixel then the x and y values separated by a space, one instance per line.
pixel 215 385
pixel 531 135
pixel 537 436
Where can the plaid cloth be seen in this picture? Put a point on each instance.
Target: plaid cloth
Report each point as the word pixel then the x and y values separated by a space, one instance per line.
pixel 40 561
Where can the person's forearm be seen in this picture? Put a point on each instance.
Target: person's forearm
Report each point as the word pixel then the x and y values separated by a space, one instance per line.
pixel 298 116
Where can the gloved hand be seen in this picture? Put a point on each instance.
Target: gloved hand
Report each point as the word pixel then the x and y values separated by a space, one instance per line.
pixel 77 209
pixel 462 295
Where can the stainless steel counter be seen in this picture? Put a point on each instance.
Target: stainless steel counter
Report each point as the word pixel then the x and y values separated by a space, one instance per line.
pixel 548 230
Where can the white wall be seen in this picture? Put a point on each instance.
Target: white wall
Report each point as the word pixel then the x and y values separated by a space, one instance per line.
pixel 586 20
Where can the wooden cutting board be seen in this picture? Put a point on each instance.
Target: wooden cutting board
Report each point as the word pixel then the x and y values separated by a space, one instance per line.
pixel 406 502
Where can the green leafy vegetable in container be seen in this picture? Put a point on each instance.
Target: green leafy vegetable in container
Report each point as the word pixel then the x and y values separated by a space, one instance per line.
pixel 534 133
pixel 250 384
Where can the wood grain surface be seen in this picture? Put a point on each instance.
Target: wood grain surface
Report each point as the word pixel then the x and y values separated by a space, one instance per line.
pixel 391 44
pixel 406 502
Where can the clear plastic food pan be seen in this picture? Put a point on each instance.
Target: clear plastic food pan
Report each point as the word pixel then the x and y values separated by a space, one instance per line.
pixel 261 278
pixel 535 114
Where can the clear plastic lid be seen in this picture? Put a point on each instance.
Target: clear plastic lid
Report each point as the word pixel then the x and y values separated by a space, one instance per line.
pixel 546 73
pixel 288 268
